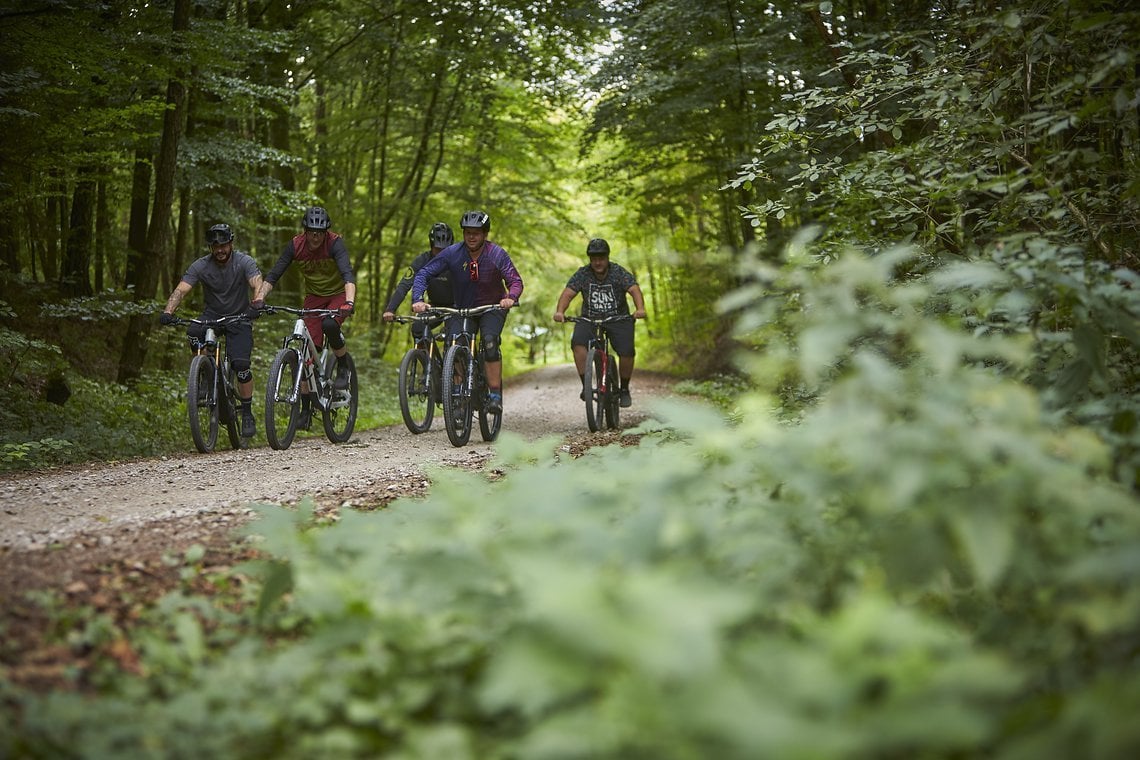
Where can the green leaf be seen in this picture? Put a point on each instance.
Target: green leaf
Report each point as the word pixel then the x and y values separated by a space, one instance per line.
pixel 987 538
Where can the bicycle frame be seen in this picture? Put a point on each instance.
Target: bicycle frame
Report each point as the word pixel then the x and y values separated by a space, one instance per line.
pixel 299 369
pixel 421 373
pixel 219 396
pixel 470 395
pixel 316 366
pixel 603 384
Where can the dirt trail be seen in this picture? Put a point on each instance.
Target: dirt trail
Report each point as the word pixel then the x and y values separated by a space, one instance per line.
pixel 91 504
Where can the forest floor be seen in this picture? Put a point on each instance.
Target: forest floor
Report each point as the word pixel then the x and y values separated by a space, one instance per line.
pixel 109 538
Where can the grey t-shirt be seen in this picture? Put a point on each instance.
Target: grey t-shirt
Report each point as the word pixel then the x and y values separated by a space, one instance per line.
pixel 225 288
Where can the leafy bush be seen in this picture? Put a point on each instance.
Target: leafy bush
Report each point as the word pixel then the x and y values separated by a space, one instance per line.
pixel 927 564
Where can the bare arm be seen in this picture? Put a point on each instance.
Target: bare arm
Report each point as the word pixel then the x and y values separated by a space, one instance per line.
pixel 176 297
pixel 263 290
pixel 638 302
pixel 563 303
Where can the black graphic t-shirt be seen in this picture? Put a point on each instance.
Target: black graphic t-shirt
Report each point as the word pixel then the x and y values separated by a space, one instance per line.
pixel 604 297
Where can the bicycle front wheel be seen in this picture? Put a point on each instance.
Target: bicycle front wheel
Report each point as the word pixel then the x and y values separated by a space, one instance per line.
pixel 281 408
pixel 489 422
pixel 229 413
pixel 456 395
pixel 202 403
pixel 613 394
pixel 417 392
pixel 340 416
pixel 595 389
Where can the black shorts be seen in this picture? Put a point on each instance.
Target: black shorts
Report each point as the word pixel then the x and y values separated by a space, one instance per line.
pixel 239 338
pixel 620 335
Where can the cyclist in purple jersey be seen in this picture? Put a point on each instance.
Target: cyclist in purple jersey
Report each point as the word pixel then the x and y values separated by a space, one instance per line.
pixel 482 273
pixel 603 286
pixel 227 277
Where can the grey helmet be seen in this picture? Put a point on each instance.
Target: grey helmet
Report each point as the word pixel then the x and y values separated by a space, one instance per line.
pixel 316 218
pixel 476 219
pixel 440 236
pixel 218 234
pixel 597 247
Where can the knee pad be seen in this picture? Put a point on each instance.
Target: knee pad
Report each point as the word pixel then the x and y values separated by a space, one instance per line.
pixel 331 330
pixel 491 350
pixel 242 370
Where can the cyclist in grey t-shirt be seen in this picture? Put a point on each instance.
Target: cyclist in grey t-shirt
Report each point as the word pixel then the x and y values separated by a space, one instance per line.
pixel 603 285
pixel 227 278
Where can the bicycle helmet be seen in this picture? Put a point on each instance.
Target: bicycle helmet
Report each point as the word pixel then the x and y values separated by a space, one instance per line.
pixel 597 247
pixel 316 218
pixel 440 236
pixel 476 219
pixel 218 234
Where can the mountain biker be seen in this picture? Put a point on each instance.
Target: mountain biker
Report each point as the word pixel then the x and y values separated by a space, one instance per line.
pixel 438 287
pixel 227 277
pixel 603 285
pixel 482 273
pixel 329 283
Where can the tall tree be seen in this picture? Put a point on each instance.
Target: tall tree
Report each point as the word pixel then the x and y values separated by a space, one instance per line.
pixel 158 233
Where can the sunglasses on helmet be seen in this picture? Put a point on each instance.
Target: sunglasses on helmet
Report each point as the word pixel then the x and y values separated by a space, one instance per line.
pixel 216 237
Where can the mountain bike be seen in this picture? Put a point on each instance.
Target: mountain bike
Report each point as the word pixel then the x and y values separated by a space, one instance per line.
pixel 464 385
pixel 211 390
pixel 421 374
pixel 298 362
pixel 601 384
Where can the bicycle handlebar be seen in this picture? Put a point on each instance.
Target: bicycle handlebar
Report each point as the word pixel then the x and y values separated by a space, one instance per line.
pixel 300 312
pixel 600 320
pixel 178 321
pixel 421 317
pixel 470 311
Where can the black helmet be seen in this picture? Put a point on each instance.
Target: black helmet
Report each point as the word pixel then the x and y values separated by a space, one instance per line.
pixel 597 247
pixel 316 218
pixel 476 219
pixel 218 234
pixel 440 236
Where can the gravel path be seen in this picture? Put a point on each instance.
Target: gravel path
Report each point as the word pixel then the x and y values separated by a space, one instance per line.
pixel 46 509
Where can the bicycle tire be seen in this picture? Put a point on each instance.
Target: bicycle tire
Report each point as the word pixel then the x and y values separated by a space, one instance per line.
pixel 489 422
pixel 228 411
pixel 456 398
pixel 594 389
pixel 281 414
pixel 340 417
pixel 613 394
pixel 201 403
pixel 417 391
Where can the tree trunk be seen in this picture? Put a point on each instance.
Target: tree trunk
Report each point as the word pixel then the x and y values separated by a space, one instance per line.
pixel 140 200
pixel 75 279
pixel 102 234
pixel 158 232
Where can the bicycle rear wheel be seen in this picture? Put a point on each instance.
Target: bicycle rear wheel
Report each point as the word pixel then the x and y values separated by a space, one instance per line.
pixel 594 380
pixel 281 409
pixel 613 394
pixel 417 392
pixel 489 422
pixel 202 403
pixel 340 417
pixel 456 398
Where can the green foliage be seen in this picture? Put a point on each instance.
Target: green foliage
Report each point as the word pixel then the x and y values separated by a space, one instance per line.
pixel 926 564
